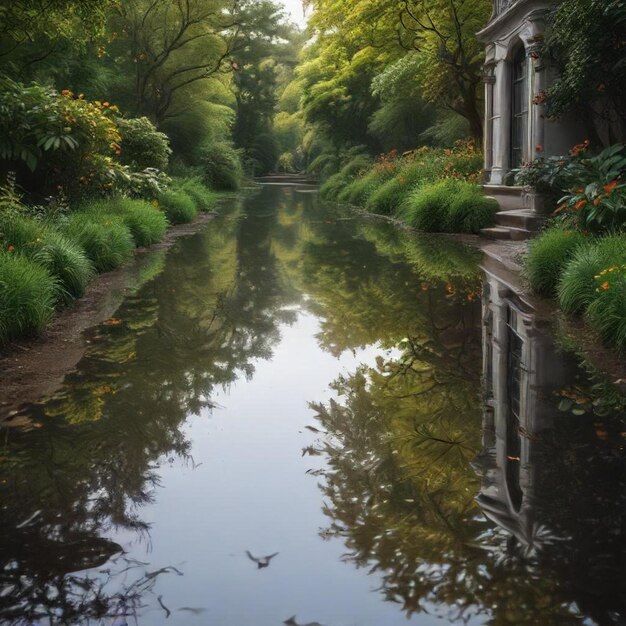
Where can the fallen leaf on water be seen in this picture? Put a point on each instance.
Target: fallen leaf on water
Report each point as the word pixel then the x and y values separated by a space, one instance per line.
pixel 113 322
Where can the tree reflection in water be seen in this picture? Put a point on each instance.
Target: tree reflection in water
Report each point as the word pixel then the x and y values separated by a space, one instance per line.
pixel 401 441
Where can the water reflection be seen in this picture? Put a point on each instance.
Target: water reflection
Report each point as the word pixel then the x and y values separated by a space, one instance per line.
pixel 542 542
pixel 402 453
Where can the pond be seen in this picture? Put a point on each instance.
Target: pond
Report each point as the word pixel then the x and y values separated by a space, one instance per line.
pixel 300 416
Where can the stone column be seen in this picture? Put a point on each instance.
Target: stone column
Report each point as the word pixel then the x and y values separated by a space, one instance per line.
pixel 501 123
pixel 489 80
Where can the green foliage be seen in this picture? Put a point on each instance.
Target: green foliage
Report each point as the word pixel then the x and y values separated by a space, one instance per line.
pixel 64 259
pixel 27 296
pixel 585 40
pixel 387 199
pixel 57 141
pixel 428 207
pixel 146 223
pixel 607 312
pixel 331 188
pixel 547 257
pixel 41 242
pixel 178 206
pixel 202 196
pixel 142 145
pixel 107 242
pixel 221 167
pixel 577 287
pixel 600 198
pixel 360 189
pixel 470 210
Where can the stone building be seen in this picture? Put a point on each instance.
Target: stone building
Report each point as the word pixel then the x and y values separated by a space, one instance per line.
pixel 516 130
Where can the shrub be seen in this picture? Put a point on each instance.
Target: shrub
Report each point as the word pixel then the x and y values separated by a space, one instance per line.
pixel 58 140
pixel 470 210
pixel 106 240
pixel 427 208
pixel 356 166
pixel 360 189
pixel 577 287
pixel 146 223
pixel 142 145
pixel 547 257
pixel 178 206
pixel 332 187
pixel 64 259
pixel 607 312
pixel 387 199
pixel 203 197
pixel 67 262
pixel 27 296
pixel 221 166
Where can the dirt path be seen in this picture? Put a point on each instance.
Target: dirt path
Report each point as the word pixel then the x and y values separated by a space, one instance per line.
pixel 32 369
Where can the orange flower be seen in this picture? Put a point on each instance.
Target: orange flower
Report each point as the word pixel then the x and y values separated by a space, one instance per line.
pixel 11 248
pixel 609 188
pixel 580 204
pixel 605 285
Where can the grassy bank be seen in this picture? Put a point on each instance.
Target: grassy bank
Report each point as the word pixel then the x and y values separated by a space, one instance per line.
pixel 47 261
pixel 431 189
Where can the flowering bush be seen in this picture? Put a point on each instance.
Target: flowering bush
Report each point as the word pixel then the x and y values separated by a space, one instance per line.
pixel 594 185
pixel 599 200
pixel 57 142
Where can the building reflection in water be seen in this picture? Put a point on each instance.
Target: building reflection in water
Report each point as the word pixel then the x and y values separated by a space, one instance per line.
pixel 553 478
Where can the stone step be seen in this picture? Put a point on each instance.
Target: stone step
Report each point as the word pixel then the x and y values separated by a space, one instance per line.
pixel 496 232
pixel 506 233
pixel 524 218
pixel 509 198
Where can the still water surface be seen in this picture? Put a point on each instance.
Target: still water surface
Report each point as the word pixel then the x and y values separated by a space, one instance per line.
pixel 367 404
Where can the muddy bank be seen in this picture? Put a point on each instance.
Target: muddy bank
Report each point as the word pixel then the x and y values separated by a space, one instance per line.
pixel 33 368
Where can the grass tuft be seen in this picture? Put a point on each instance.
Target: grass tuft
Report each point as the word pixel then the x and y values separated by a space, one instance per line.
pixel 107 242
pixel 427 207
pixel 177 206
pixel 577 287
pixel 27 296
pixel 202 196
pixel 547 257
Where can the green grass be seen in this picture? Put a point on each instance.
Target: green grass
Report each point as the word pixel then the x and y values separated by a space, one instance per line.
pixel 177 206
pixel 547 257
pixel 43 243
pixel 27 296
pixel 607 312
pixel 332 187
pixel 427 208
pixel 470 210
pixel 66 260
pixel 203 197
pixel 389 197
pixel 107 242
pixel 146 223
pixel 360 189
pixel 577 287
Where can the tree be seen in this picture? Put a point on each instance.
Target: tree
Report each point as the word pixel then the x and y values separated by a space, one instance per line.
pixel 168 47
pixel 586 42
pixel 450 55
